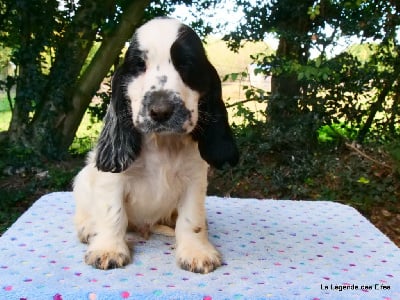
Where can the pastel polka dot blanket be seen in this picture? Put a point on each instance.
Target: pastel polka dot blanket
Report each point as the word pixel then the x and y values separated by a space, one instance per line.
pixel 271 250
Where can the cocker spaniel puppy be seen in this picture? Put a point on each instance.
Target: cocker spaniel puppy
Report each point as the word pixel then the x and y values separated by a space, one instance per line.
pixel 165 124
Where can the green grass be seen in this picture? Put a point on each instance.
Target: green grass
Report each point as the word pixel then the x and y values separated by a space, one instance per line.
pixel 4 105
pixel 86 136
pixel 5 113
pixel 5 117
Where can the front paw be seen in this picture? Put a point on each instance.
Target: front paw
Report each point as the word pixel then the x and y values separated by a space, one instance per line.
pixel 200 258
pixel 108 259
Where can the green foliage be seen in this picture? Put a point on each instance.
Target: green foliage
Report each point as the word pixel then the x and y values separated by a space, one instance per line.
pixel 82 145
pixel 335 133
pixel 5 53
pixel 358 88
pixel 235 76
pixel 342 89
pixel 393 149
pixel 52 43
pixel 362 183
pixel 329 173
pixel 17 157
pixel 352 96
pixel 98 109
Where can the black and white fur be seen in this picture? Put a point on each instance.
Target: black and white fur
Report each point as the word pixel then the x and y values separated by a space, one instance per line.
pixel 165 124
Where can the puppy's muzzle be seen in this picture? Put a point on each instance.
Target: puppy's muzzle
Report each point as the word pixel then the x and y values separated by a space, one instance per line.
pixel 163 111
pixel 161 106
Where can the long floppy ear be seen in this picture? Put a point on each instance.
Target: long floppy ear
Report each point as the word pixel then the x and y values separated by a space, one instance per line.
pixel 119 142
pixel 213 133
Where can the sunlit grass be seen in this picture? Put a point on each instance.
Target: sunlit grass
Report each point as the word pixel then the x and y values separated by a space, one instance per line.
pixel 5 117
pixel 5 113
pixel 86 135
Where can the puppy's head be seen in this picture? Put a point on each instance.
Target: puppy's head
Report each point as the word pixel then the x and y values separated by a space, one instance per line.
pixel 165 85
pixel 160 100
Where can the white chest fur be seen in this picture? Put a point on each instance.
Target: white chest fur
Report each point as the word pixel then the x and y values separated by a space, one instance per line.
pixel 158 179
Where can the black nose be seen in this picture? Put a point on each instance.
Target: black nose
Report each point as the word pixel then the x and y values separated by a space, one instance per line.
pixel 161 108
pixel 162 112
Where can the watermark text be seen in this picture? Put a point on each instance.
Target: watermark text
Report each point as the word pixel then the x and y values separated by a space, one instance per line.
pixel 355 287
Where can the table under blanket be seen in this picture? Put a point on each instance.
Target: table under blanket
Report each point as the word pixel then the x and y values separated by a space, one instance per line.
pixel 272 249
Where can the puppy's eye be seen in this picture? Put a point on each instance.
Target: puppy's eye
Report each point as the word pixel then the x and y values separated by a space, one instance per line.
pixel 140 64
pixel 185 66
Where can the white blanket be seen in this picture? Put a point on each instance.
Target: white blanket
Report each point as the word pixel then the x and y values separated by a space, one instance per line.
pixel 272 249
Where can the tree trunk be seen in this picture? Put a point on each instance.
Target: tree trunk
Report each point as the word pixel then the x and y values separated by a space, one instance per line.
pixel 395 111
pixel 388 85
pixel 99 66
pixel 284 114
pixel 376 106
pixel 28 80
pixel 20 113
pixel 66 99
pixel 71 53
pixel 285 88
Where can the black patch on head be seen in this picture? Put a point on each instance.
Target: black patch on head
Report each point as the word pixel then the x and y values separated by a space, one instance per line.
pixel 190 60
pixel 135 59
pixel 216 143
pixel 120 142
